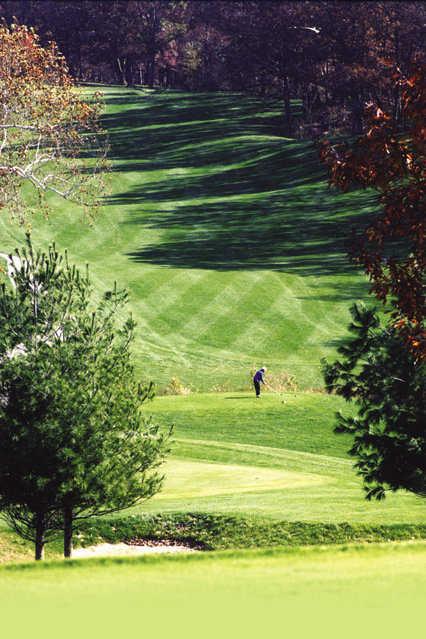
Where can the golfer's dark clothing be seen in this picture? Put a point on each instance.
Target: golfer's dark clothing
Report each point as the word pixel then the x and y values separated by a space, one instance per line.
pixel 258 377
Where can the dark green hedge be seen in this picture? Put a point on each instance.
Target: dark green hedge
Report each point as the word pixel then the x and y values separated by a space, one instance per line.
pixel 217 532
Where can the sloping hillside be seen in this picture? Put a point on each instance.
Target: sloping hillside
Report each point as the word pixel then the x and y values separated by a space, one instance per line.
pixel 226 235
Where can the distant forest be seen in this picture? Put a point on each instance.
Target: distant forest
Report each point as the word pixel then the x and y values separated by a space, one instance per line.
pixel 334 57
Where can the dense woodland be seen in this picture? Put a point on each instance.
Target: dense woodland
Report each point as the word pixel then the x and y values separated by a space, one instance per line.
pixel 332 56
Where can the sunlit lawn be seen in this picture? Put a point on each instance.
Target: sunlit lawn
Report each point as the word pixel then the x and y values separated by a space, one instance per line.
pixel 225 233
pixel 368 591
pixel 232 248
pixel 277 456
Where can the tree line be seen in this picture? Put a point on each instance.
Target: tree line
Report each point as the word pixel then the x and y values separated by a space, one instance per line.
pixel 332 56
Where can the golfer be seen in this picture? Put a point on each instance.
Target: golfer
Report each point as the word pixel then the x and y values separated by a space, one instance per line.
pixel 258 379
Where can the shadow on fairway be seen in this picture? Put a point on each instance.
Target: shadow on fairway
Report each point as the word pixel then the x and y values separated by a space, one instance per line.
pixel 226 191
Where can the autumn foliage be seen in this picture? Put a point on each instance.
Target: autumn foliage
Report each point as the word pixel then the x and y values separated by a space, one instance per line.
pixel 331 55
pixel 392 159
pixel 45 127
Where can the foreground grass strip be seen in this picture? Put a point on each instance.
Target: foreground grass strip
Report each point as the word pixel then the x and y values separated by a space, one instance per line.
pixel 302 592
pixel 298 552
pixel 299 592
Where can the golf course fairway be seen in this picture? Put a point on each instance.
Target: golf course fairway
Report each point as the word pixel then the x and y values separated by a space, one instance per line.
pixel 232 248
pixel 226 235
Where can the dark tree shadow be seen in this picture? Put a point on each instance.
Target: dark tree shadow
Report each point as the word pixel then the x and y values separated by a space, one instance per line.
pixel 227 191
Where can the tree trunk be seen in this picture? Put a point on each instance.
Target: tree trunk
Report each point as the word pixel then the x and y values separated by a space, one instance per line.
pixel 287 107
pixel 39 541
pixel 129 72
pixel 121 66
pixel 150 69
pixel 397 110
pixel 154 26
pixel 68 518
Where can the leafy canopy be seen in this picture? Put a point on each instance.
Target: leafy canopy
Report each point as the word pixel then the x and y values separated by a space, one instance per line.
pixel 392 160
pixel 45 126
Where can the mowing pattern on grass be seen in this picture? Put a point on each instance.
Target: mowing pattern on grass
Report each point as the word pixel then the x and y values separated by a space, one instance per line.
pixel 225 233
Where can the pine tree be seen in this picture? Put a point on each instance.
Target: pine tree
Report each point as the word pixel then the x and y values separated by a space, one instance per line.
pixel 387 383
pixel 73 440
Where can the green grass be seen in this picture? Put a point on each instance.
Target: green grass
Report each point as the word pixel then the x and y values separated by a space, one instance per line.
pixel 355 591
pixel 276 457
pixel 206 531
pixel 225 233
pixel 232 247
pixel 273 460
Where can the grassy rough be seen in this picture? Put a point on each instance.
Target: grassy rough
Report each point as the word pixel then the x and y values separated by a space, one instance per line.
pixel 222 532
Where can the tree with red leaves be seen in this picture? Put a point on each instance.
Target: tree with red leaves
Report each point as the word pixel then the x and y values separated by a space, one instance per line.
pixel 45 126
pixel 392 160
